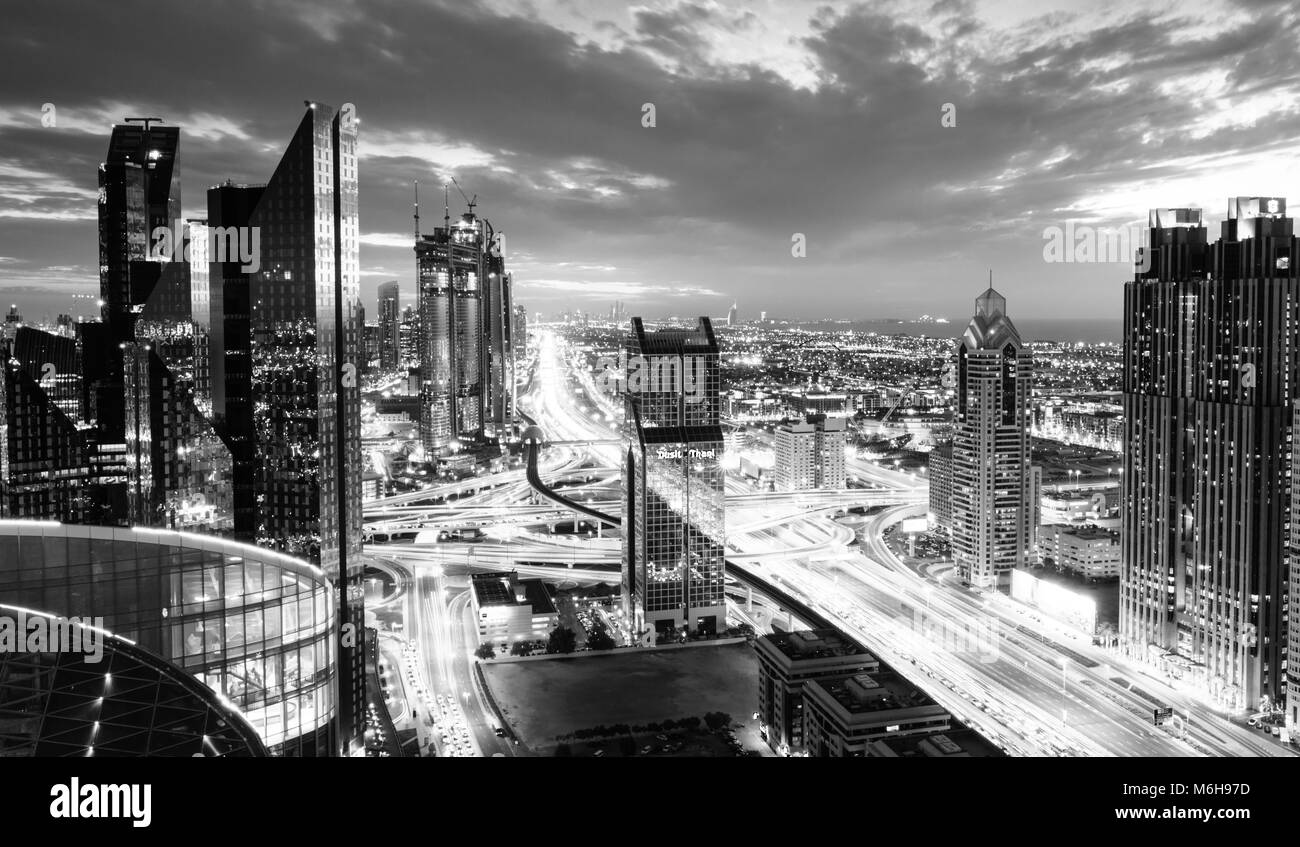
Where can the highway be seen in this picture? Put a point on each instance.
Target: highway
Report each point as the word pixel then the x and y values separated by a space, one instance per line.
pixel 1027 685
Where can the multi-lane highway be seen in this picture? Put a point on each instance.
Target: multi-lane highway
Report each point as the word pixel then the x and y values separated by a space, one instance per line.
pixel 1023 683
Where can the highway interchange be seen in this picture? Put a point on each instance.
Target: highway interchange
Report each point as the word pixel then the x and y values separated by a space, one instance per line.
pixel 1025 683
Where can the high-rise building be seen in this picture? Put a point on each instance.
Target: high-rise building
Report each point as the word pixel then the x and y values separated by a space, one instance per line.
pixel 287 389
pixel 389 320
pixel 1211 339
pixel 131 440
pixel 732 318
pixel 939 473
pixel 464 345
pixel 810 454
pixel 408 334
pixel 519 328
pixel 992 512
pixel 674 523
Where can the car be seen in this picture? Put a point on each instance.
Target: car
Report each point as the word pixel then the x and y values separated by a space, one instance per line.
pixel 598 753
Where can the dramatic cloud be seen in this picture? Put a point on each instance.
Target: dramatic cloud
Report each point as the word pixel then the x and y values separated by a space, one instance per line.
pixel 772 118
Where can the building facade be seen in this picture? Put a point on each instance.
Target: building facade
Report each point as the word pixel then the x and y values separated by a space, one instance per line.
pixel 787 660
pixel 992 504
pixel 115 700
pixel 845 715
pixel 287 388
pixel 464 344
pixel 939 473
pixel 509 609
pixel 1211 335
pixel 256 626
pixel 810 454
pixel 390 319
pixel 674 503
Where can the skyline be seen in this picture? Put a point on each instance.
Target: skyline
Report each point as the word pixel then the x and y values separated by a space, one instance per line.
pixel 767 125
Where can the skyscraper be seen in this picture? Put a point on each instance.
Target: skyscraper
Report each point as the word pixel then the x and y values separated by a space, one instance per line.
pixel 289 398
pixel 389 320
pixel 519 329
pixel 1211 337
pixel 991 510
pixel 674 522
pixel 464 346
pixel 129 435
pixel 939 474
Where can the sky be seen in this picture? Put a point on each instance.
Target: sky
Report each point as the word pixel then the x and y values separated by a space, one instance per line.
pixel 772 120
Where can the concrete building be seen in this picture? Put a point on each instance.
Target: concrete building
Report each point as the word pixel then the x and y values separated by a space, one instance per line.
pixel 1211 371
pixel 992 503
pixel 787 660
pixel 844 715
pixel 939 472
pixel 509 609
pixel 1089 551
pixel 810 454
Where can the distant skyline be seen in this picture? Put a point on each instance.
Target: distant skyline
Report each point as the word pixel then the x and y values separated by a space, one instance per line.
pixel 771 119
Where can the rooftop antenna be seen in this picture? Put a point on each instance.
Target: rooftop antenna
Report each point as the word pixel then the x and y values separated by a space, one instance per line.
pixel 417 210
pixel 446 208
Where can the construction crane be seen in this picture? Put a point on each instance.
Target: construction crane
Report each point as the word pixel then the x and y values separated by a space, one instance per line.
pixel 468 202
pixel 901 397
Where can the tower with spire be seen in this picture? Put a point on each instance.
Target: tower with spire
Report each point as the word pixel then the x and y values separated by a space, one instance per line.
pixel 992 482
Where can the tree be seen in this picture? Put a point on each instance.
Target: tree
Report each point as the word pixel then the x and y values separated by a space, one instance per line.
pixel 600 639
pixel 562 640
pixel 486 651
pixel 716 720
pixel 521 648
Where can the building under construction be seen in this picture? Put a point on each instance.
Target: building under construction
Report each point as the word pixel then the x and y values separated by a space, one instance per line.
pixel 465 344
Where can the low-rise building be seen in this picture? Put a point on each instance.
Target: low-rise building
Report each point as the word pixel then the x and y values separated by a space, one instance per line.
pixel 844 715
pixel 1089 551
pixel 510 609
pixel 786 660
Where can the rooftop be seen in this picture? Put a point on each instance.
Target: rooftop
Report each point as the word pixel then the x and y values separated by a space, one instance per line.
pixel 503 588
pixel 815 644
pixel 882 691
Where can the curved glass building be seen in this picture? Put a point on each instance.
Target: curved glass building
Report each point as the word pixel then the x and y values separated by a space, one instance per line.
pixel 253 625
pixel 116 699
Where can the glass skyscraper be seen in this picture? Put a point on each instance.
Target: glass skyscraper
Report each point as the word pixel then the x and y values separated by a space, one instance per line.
pixel 674 498
pixel 390 353
pixel 287 389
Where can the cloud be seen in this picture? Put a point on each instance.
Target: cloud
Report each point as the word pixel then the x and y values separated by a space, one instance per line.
pixel 772 118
